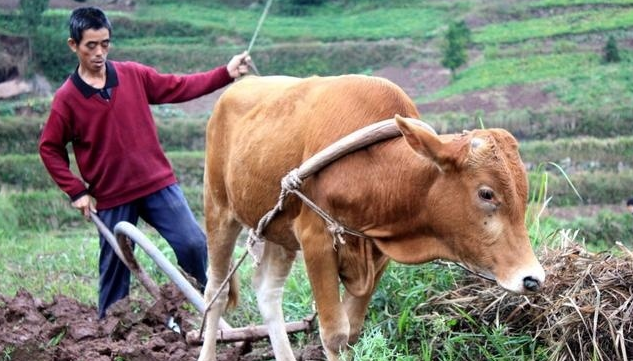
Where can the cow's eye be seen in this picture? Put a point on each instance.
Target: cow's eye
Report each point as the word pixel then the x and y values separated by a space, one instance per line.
pixel 486 194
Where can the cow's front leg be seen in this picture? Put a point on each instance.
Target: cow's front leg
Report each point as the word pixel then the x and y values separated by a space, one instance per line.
pixel 356 305
pixel 322 268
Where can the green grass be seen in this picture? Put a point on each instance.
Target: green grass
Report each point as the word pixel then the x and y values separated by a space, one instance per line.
pixel 557 25
pixel 577 79
pixel 508 71
pixel 47 264
pixel 598 85
pixel 380 23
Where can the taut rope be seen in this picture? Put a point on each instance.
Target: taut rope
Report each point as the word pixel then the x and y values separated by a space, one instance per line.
pixel 251 64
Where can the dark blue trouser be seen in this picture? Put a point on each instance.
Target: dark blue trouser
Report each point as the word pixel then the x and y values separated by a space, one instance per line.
pixel 167 211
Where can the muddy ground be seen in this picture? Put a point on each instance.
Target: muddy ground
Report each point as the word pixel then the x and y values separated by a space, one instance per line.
pixel 66 330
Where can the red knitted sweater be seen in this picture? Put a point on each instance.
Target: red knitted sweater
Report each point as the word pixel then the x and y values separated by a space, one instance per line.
pixel 115 141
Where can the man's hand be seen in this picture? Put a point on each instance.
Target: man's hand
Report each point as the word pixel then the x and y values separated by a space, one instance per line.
pixel 238 65
pixel 85 205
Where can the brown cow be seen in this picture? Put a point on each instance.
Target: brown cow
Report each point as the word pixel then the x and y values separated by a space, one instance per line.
pixel 418 198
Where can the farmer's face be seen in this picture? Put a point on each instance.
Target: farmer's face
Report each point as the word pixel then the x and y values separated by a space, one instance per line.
pixel 92 51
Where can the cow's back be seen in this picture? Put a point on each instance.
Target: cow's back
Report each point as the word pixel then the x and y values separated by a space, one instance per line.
pixel 262 127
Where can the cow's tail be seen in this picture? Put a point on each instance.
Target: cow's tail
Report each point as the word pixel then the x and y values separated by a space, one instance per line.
pixel 234 287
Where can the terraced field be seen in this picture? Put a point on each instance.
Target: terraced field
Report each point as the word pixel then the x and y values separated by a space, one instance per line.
pixel 535 68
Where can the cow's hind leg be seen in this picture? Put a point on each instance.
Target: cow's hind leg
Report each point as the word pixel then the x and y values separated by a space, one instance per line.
pixel 222 232
pixel 269 282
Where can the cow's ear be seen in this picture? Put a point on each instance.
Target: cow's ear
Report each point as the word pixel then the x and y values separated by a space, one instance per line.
pixel 445 155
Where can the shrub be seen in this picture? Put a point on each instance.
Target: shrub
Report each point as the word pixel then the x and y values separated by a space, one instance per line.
pixel 26 172
pixel 8 216
pixel 526 124
pixel 51 55
pixel 125 27
pixel 295 7
pixel 610 51
pixel 19 134
pixel 40 210
pixel 580 153
pixel 594 187
pixel 456 42
pixel 181 134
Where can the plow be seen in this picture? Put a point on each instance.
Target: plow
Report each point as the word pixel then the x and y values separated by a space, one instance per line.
pixel 121 239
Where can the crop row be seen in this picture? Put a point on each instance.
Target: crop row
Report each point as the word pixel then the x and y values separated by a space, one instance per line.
pixel 595 185
pixel 49 208
pixel 19 134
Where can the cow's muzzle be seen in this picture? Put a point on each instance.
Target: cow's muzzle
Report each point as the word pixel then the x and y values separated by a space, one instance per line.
pixel 531 284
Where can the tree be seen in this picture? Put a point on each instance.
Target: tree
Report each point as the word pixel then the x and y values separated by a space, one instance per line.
pixel 610 51
pixel 456 42
pixel 31 19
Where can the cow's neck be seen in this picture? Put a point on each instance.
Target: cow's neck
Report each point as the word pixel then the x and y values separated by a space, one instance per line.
pixel 377 191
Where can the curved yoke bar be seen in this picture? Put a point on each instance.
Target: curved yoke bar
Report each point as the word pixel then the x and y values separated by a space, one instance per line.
pixel 358 139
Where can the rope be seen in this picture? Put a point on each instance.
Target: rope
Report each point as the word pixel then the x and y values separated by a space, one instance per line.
pixel 262 17
pixel 259 25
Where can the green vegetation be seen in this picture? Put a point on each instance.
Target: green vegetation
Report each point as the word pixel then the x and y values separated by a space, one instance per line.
pixel 509 71
pixel 610 51
pixel 552 45
pixel 329 24
pixel 565 24
pixel 456 41
pixel 47 264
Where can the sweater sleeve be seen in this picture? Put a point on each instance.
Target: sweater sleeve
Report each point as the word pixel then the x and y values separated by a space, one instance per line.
pixel 55 135
pixel 170 88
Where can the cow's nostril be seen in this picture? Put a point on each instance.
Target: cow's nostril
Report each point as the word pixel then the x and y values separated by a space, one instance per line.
pixel 531 284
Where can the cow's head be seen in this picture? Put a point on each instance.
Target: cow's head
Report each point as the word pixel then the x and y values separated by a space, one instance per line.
pixel 477 203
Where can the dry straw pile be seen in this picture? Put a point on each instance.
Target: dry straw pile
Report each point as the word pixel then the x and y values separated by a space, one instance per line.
pixel 585 311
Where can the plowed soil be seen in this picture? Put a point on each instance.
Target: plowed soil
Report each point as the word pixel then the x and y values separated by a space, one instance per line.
pixel 66 330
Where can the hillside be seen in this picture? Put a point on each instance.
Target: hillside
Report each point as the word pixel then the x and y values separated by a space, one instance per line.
pixel 534 68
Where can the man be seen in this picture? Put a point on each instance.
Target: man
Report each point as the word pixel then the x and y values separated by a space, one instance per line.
pixel 629 205
pixel 103 110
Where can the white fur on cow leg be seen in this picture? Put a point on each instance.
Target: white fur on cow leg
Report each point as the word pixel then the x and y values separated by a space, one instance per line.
pixel 208 351
pixel 269 282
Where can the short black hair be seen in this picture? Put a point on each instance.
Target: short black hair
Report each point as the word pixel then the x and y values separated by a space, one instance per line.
pixel 87 18
pixel 629 202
